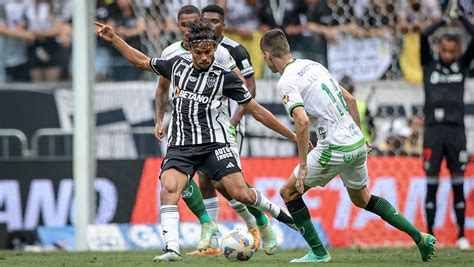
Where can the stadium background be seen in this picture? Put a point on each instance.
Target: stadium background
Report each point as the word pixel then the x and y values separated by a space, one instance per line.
pixel 36 136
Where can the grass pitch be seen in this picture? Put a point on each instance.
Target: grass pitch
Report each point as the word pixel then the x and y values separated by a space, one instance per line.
pixel 340 257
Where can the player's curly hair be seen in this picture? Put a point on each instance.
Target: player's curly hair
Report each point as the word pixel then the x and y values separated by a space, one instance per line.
pixel 199 31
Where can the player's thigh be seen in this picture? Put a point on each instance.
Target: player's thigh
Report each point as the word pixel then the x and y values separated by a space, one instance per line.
pixel 433 149
pixel 360 197
pixel 322 167
pixel 235 185
pixel 455 147
pixel 219 162
pixel 353 170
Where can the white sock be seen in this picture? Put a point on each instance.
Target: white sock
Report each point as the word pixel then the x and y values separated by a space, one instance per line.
pixel 169 223
pixel 262 203
pixel 212 207
pixel 244 213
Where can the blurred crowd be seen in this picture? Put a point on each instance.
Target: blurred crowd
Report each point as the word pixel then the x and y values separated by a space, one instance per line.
pixel 36 34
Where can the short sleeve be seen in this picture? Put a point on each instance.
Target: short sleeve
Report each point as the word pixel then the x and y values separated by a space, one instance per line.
pixel 242 59
pixel 223 57
pixel 291 97
pixel 163 67
pixel 235 89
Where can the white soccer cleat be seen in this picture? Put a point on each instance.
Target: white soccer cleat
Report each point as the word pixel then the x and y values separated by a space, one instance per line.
pixel 169 255
pixel 463 244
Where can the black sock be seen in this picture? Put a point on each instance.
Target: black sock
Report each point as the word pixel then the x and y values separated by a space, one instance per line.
pixel 459 203
pixel 430 202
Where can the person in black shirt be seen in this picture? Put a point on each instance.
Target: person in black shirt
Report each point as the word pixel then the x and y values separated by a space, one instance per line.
pixel 199 133
pixel 444 135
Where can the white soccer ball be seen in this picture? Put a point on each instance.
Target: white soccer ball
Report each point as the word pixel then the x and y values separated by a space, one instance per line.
pixel 238 245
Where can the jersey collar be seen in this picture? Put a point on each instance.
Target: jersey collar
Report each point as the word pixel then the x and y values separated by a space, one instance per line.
pixel 288 64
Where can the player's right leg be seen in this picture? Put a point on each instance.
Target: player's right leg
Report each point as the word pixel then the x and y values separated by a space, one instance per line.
pixel 298 210
pixel 172 183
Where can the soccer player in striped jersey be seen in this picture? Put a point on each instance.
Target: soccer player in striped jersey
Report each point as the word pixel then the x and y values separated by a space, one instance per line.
pixel 192 194
pixel 313 97
pixel 199 134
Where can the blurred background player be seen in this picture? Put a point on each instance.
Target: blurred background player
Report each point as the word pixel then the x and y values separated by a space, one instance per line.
pixel 311 94
pixel 444 134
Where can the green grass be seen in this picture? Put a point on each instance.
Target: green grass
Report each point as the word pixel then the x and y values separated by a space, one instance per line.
pixel 340 257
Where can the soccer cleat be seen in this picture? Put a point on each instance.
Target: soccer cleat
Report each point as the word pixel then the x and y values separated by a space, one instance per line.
pixel 311 257
pixel 285 217
pixel 427 246
pixel 207 231
pixel 256 237
pixel 209 251
pixel 463 244
pixel 269 242
pixel 169 255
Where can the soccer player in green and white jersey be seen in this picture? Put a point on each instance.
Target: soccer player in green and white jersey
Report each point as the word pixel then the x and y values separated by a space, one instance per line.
pixel 313 97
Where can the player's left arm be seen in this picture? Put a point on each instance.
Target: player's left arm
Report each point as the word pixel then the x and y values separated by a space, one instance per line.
pixel 236 90
pixel 351 105
pixel 264 116
pixel 354 111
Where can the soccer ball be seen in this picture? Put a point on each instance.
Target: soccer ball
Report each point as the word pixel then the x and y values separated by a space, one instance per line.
pixel 238 245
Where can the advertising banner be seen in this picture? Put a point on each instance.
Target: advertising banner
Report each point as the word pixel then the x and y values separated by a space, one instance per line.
pixel 36 194
pixel 364 59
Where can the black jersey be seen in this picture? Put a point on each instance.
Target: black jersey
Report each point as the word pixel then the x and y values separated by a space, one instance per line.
pixel 200 100
pixel 240 55
pixel 443 85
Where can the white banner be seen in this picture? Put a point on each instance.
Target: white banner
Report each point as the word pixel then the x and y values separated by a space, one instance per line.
pixel 363 59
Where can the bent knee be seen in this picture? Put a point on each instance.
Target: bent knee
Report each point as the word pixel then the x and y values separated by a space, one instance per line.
pixel 289 193
pixel 360 203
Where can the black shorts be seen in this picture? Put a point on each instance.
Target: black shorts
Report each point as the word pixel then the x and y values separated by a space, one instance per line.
pixel 214 160
pixel 444 140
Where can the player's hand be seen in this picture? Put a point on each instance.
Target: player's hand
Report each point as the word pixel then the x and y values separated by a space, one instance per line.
pixel 369 147
pixel 159 134
pixel 302 172
pixel 104 31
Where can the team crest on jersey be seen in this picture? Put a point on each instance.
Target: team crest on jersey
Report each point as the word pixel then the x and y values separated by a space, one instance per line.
pixel 192 79
pixel 285 99
pixel 211 81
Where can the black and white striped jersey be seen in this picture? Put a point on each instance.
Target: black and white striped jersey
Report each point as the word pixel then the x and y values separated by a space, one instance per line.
pixel 200 100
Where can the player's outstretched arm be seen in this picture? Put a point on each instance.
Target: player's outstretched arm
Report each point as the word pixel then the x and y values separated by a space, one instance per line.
pixel 351 105
pixel 135 57
pixel 266 118
pixel 161 102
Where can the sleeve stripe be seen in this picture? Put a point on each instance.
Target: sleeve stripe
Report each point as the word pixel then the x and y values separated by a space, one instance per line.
pixel 297 104
pixel 233 67
pixel 153 67
pixel 245 100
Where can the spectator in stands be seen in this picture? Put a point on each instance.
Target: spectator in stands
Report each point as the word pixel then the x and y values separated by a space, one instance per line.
pixel 241 18
pixel 366 121
pixel 444 78
pixel 416 15
pixel 102 53
pixel 45 22
pixel 378 18
pixel 413 143
pixel 129 27
pixel 328 17
pixel 13 28
pixel 285 15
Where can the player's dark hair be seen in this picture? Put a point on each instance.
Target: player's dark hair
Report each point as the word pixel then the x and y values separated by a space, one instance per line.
pixel 450 38
pixel 274 41
pixel 188 9
pixel 213 9
pixel 200 30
